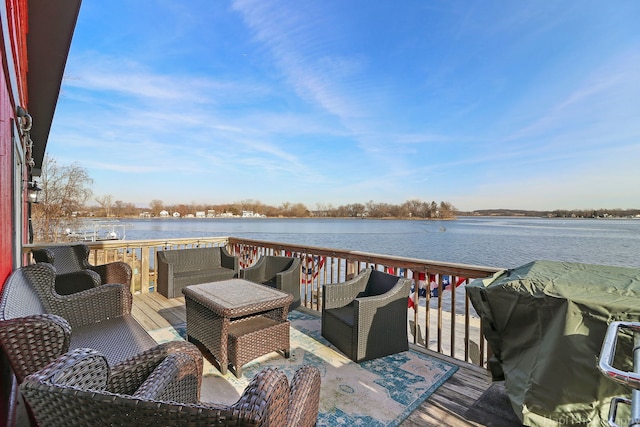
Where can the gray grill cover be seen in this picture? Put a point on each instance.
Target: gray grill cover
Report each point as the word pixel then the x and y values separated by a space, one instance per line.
pixel 545 322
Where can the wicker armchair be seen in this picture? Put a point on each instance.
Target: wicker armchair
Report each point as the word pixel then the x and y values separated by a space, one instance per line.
pixel 74 390
pixel 74 273
pixel 279 272
pixel 366 317
pixel 37 325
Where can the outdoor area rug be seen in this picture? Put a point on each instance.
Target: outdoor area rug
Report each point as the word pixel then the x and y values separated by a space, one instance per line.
pixel 380 392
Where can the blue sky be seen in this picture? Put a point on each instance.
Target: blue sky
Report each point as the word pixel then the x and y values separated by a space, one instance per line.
pixel 484 104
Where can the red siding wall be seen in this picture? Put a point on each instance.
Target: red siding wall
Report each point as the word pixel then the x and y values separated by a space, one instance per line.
pixel 6 185
pixel 12 51
pixel 14 63
pixel 6 224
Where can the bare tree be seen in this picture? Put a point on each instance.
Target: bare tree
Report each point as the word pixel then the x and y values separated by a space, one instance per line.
pixel 355 209
pixel 285 207
pixel 182 209
pixel 64 193
pixel 118 208
pixel 156 207
pixel 299 210
pixel 105 203
pixel 447 210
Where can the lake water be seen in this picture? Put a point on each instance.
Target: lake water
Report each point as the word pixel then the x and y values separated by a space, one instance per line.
pixel 502 242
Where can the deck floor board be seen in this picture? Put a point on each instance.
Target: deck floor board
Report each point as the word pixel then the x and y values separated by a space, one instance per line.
pixel 446 407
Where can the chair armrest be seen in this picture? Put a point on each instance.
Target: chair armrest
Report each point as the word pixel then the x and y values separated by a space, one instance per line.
pixel 337 295
pixel 43 255
pixel 304 397
pixel 399 292
pixel 32 342
pixel 254 273
pixel 266 398
pixel 93 305
pixel 128 375
pixel 82 368
pixel 264 401
pixel 114 272
pixel 82 252
pixel 229 261
pixel 164 276
pixel 77 281
pixel 175 379
pixel 290 273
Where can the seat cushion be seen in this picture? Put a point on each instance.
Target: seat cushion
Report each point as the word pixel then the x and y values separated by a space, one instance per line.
pixel 117 338
pixel 196 277
pixel 270 283
pixel 202 276
pixel 345 314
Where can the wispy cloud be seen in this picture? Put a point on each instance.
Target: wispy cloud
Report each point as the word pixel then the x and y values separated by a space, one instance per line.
pixel 339 102
pixel 606 94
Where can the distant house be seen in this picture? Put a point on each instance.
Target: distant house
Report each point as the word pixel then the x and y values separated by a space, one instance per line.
pixel 164 213
pixel 200 214
pixel 251 214
pixel 177 215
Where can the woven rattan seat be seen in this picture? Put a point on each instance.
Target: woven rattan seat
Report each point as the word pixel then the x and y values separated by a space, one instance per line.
pixel 75 390
pixel 37 325
pixel 253 337
pixel 366 317
pixel 74 273
pixel 279 272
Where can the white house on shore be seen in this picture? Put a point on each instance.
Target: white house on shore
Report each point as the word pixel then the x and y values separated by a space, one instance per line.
pixel 251 214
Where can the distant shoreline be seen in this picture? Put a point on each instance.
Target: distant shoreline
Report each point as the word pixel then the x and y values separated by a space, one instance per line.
pixel 115 218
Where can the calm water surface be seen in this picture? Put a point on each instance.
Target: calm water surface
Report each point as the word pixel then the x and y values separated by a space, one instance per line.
pixel 495 242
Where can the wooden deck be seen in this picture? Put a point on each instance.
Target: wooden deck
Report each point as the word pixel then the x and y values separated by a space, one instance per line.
pixel 446 407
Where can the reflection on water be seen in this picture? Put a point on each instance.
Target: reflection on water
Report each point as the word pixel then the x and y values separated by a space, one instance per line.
pixel 496 242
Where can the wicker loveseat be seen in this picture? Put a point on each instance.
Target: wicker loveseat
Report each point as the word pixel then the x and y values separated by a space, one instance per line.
pixel 74 273
pixel 366 317
pixel 183 267
pixel 279 272
pixel 75 390
pixel 37 325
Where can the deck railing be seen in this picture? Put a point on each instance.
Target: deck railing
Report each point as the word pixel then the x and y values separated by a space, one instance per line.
pixel 441 317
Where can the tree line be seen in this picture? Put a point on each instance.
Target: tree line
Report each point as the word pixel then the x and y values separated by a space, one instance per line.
pixel 66 199
pixel 558 213
pixel 409 209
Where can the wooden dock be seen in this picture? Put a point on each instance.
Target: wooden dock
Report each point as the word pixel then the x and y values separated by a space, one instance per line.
pixel 448 406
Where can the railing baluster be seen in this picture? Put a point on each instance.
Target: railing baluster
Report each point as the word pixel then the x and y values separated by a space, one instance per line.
pixel 338 266
pixel 452 283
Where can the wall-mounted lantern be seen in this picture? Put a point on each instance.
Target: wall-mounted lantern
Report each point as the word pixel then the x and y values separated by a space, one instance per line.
pixel 32 192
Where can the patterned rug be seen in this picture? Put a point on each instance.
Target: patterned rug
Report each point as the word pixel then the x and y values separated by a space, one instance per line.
pixel 380 392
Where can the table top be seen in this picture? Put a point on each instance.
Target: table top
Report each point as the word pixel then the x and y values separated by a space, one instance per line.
pixel 236 297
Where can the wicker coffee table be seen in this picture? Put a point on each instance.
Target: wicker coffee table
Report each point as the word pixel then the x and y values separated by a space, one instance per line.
pixel 237 320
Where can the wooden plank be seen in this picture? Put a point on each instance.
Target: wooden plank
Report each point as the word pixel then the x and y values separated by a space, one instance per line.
pixel 446 407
